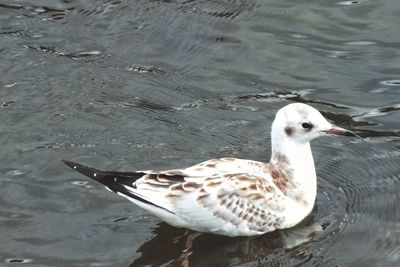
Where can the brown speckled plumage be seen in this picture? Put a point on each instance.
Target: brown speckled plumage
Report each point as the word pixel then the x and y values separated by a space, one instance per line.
pixel 242 198
pixel 232 196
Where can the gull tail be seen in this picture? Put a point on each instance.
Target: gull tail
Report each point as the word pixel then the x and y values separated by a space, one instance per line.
pixel 122 183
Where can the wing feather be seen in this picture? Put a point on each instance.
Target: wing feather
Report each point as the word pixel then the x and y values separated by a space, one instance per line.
pixel 226 196
pixel 229 205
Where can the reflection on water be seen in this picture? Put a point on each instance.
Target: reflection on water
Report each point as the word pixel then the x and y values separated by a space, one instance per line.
pixel 162 84
pixel 169 246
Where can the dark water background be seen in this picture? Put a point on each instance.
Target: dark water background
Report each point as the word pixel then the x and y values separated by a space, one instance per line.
pixel 128 85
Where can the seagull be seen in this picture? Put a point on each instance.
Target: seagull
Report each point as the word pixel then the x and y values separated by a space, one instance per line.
pixel 231 196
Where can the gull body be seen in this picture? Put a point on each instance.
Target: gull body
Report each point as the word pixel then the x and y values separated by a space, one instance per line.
pixel 230 196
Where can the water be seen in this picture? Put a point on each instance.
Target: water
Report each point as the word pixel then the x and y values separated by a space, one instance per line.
pixel 161 84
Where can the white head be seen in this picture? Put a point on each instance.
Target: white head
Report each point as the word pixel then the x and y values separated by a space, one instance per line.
pixel 301 123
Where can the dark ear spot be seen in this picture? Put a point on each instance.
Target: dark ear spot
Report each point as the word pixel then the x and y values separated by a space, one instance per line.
pixel 289 131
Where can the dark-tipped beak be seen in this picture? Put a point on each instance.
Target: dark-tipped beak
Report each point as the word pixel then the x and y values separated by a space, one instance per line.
pixel 340 131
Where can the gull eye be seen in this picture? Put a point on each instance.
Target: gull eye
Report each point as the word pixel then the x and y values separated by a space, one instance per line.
pixel 306 125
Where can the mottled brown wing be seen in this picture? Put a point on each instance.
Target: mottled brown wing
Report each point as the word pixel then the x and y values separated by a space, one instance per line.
pixel 230 202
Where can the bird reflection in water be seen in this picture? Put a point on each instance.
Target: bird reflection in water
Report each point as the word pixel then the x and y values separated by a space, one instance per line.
pixel 177 247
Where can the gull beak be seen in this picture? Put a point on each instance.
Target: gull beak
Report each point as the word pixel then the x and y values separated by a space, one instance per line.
pixel 340 131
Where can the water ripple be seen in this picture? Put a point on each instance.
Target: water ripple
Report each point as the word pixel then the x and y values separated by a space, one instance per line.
pixel 42 12
pixel 220 9
pixel 391 82
pixel 351 3
pixel 365 189
pixel 59 52
pixel 18 260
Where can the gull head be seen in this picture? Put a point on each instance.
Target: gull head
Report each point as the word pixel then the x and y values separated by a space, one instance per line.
pixel 302 123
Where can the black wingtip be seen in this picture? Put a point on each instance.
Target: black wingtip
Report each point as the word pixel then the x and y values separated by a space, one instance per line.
pixel 76 166
pixel 69 163
pixel 85 170
pixel 114 181
pixel 104 177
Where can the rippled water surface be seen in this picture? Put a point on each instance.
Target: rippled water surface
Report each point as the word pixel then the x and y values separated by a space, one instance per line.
pixel 162 84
